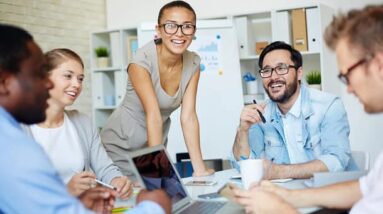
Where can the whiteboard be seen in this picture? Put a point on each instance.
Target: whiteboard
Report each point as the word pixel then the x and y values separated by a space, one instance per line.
pixel 219 96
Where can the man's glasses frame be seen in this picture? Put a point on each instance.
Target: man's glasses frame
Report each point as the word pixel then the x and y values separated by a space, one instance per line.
pixel 279 69
pixel 174 27
pixel 344 78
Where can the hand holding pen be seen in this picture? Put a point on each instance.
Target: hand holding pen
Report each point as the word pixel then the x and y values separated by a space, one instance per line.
pixel 84 180
pixel 80 182
pixel 251 115
pixel 260 113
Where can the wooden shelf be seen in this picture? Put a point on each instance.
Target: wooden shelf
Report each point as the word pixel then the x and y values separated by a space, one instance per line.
pixel 108 69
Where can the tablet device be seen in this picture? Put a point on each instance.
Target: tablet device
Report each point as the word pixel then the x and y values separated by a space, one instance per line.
pixel 200 183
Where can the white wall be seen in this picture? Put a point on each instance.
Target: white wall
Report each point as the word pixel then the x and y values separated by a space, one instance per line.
pixel 59 24
pixel 130 13
pixel 364 128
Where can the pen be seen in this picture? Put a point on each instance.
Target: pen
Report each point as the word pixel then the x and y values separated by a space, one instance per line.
pixel 106 185
pixel 260 113
pixel 101 183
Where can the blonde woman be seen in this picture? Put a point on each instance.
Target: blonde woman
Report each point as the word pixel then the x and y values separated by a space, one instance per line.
pixel 68 137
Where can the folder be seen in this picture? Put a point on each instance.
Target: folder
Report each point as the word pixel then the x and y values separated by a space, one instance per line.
pixel 241 25
pixel 98 97
pixel 281 27
pixel 298 18
pixel 120 78
pixel 313 29
pixel 115 49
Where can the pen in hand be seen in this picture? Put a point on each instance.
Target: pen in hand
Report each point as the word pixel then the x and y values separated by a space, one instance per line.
pixel 106 185
pixel 260 113
pixel 100 182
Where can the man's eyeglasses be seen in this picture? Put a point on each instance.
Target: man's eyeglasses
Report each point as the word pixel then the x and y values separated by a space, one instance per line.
pixel 279 69
pixel 344 78
pixel 172 28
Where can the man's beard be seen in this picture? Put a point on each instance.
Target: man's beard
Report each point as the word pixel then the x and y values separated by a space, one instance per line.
pixel 289 91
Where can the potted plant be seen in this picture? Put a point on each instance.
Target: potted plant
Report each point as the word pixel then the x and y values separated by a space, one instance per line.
pixel 313 78
pixel 102 57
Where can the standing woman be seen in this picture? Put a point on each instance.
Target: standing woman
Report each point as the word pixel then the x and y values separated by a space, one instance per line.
pixel 68 137
pixel 162 76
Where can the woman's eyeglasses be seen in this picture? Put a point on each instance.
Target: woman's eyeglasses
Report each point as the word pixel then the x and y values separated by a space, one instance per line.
pixel 172 28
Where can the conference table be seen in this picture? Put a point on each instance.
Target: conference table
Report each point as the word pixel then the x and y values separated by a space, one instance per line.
pixel 225 176
pixel 221 178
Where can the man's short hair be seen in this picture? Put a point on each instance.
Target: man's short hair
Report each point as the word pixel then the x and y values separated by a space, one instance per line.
pixel 362 28
pixel 295 56
pixel 13 47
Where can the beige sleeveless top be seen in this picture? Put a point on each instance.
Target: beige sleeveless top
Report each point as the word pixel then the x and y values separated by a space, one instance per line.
pixel 126 128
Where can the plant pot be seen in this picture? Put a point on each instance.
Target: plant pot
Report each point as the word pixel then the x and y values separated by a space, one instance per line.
pixel 103 62
pixel 316 86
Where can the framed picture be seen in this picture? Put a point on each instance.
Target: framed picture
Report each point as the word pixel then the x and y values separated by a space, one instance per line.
pixel 132 46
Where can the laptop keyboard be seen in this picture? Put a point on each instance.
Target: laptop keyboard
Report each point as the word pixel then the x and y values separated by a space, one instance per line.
pixel 203 207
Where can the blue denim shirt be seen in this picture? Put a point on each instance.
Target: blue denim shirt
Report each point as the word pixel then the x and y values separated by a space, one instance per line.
pixel 324 135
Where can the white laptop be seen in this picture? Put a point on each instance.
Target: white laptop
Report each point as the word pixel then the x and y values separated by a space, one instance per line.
pixel 320 179
pixel 155 170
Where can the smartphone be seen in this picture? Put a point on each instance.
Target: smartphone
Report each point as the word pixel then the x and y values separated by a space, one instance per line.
pixel 210 195
pixel 201 183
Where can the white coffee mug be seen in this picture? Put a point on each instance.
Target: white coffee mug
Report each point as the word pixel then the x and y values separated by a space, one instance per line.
pixel 251 171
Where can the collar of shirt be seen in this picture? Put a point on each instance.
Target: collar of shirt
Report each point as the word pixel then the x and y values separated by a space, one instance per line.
pixel 7 116
pixel 295 110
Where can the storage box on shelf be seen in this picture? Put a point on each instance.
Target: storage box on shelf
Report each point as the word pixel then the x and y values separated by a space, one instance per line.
pixel 286 24
pixel 109 83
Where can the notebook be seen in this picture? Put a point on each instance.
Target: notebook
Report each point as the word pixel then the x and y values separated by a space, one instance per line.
pixel 155 170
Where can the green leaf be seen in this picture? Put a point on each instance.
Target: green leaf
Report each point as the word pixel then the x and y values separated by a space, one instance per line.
pixel 313 77
pixel 101 52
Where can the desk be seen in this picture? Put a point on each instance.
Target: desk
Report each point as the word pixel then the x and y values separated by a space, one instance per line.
pixel 222 177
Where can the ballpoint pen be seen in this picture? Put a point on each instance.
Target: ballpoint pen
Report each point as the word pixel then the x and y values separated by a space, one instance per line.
pixel 106 185
pixel 101 183
pixel 260 113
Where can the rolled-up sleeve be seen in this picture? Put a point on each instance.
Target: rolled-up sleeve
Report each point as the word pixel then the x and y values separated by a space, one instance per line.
pixel 256 146
pixel 335 132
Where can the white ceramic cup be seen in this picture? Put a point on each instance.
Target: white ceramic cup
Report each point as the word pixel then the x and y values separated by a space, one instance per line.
pixel 251 171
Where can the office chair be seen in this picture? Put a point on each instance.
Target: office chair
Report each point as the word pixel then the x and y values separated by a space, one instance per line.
pixel 185 168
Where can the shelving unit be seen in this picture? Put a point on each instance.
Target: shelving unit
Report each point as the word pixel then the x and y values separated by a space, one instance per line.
pixel 276 25
pixel 109 83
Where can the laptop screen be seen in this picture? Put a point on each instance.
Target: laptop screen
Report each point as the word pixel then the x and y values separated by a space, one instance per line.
pixel 157 172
